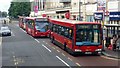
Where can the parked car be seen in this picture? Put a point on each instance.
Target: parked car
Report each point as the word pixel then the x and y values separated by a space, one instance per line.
pixel 5 31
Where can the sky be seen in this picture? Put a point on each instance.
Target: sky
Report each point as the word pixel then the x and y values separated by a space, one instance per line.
pixel 4 5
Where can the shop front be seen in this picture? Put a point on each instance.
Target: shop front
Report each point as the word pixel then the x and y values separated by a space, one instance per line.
pixel 113 27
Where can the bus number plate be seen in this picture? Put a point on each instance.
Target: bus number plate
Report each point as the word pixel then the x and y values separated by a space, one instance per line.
pixel 88 52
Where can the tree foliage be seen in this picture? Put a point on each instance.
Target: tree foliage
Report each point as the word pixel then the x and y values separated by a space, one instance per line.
pixel 19 9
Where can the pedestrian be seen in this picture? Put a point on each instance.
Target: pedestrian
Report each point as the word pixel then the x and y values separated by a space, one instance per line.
pixel 4 21
pixel 114 42
pixel 118 42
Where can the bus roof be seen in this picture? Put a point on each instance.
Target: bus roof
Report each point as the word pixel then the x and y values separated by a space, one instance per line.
pixel 73 21
pixel 34 17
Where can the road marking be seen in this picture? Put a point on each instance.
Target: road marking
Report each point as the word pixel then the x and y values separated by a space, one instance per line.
pixel 14 60
pixel 47 43
pixel 63 61
pixel 23 30
pixel 15 63
pixel 12 34
pixel 109 58
pixel 31 36
pixel 63 54
pixel 58 51
pixel 53 47
pixel 46 48
pixel 0 41
pixel 43 41
pixel 78 64
pixel 37 40
pixel 70 59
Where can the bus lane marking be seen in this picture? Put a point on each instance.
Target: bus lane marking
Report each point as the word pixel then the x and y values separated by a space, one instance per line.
pixel 53 47
pixel 58 51
pixel 37 40
pixel 46 48
pixel 12 34
pixel 70 59
pixel 78 64
pixel 63 54
pixel 63 61
pixel 22 30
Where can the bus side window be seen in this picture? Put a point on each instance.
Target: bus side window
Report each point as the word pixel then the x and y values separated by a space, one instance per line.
pixel 59 30
pixel 62 31
pixel 70 33
pixel 66 34
pixel 53 28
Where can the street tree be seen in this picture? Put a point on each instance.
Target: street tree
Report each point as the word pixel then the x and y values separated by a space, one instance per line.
pixel 19 8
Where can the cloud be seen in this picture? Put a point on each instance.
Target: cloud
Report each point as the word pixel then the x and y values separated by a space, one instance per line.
pixel 4 5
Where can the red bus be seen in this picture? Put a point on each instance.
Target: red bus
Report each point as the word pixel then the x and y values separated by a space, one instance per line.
pixel 37 26
pixel 77 36
pixel 22 22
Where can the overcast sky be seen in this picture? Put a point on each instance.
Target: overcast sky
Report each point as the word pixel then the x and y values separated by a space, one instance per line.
pixel 4 5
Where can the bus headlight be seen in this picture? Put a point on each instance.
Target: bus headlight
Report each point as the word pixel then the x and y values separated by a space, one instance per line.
pixel 35 32
pixel 78 50
pixel 98 50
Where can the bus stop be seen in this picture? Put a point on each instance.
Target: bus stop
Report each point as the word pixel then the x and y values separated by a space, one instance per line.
pixel 111 29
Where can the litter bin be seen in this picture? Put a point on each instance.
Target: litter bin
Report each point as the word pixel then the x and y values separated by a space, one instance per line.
pixel 108 41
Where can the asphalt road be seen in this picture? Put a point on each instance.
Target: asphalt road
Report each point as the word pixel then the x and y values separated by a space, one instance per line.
pixel 20 49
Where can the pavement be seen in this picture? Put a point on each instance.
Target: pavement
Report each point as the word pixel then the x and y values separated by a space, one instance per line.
pixel 112 54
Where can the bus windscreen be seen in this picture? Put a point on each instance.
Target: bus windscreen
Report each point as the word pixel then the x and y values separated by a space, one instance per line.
pixel 87 35
pixel 41 26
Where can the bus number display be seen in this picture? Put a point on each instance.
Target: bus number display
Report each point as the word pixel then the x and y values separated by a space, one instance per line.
pixel 41 19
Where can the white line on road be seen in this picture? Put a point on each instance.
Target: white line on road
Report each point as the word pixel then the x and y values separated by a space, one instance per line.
pixel 58 51
pixel 108 58
pixel 53 47
pixel 43 41
pixel 63 54
pixel 37 40
pixel 70 59
pixel 63 61
pixel 78 64
pixel 0 41
pixel 12 34
pixel 22 30
pixel 46 48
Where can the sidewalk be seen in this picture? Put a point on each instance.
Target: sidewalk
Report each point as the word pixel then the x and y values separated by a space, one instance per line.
pixel 111 53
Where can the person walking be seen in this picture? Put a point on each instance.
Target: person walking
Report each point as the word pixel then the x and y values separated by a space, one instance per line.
pixel 114 42
pixel 118 43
